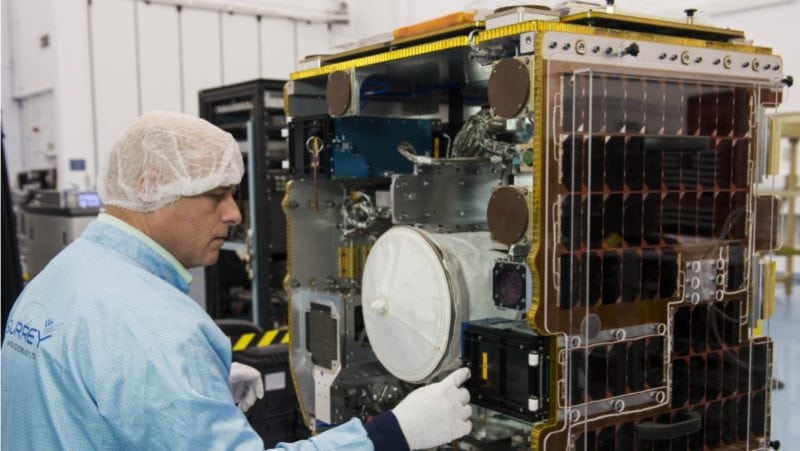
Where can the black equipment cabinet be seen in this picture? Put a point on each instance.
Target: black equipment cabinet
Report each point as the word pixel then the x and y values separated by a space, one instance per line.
pixel 276 417
pixel 253 113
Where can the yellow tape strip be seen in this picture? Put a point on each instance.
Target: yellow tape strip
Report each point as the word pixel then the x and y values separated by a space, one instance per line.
pixel 770 279
pixel 485 367
pixel 774 148
pixel 285 339
pixel 267 339
pixel 430 47
pixel 759 329
pixel 543 26
pixel 243 341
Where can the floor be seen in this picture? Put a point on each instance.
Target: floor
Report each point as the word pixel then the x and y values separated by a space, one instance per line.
pixel 784 328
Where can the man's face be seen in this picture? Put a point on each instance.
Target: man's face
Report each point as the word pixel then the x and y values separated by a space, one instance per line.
pixel 194 228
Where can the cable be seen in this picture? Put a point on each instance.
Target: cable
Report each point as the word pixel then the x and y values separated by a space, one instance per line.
pixel 476 137
pixel 407 150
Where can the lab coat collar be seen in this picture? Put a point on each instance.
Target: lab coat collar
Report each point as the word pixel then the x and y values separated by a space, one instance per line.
pixel 145 252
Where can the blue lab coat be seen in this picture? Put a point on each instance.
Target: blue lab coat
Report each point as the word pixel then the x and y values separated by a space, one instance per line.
pixel 105 350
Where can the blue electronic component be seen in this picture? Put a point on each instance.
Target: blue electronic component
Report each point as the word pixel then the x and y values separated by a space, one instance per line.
pixel 365 147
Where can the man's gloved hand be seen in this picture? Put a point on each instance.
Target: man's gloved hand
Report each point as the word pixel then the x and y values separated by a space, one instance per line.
pixel 437 413
pixel 246 385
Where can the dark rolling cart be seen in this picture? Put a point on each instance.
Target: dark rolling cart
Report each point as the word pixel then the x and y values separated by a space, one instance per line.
pixel 276 417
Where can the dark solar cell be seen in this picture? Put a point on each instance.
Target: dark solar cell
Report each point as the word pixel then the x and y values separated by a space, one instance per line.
pixel 730 372
pixel 616 369
pixel 757 411
pixel 668 279
pixel 615 163
pixel 759 366
pixel 731 325
pixel 594 204
pixel 680 383
pixel 742 408
pixel 724 157
pixel 735 267
pixel 598 383
pixel 654 107
pixel 682 330
pixel 744 370
pixel 705 215
pixel 577 376
pixel 625 435
pixel 606 438
pixel 741 148
pixel 571 219
pixel 636 365
pixel 595 278
pixel 612 221
pixel 572 161
pixel 699 328
pixel 722 206
pixel 697 379
pixel 631 275
pixel 696 438
pixel 596 152
pixel 651 218
pixel 729 421
pixel 634 163
pixel 712 424
pixel 713 376
pixel 650 273
pixel 632 222
pixel 655 362
pixel 688 217
pixel 611 277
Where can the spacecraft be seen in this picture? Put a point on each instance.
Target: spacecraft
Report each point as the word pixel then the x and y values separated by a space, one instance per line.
pixel 561 199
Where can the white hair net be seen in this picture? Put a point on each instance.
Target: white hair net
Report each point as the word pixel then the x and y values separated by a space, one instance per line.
pixel 164 156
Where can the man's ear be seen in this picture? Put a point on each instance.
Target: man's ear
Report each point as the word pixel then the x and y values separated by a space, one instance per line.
pixel 144 185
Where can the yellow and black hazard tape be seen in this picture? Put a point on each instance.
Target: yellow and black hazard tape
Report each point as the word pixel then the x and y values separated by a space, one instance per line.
pixel 254 340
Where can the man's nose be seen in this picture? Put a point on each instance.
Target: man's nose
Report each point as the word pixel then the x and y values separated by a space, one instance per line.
pixel 231 214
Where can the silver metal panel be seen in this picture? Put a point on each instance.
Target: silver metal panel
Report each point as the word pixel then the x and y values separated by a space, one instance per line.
pixel 314 236
pixel 446 197
pixel 47 235
pixel 311 380
pixel 306 97
pixel 700 280
pixel 663 57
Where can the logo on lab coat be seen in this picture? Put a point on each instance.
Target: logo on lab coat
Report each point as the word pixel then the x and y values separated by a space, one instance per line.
pixel 28 333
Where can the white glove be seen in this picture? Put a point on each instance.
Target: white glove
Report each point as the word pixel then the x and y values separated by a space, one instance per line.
pixel 246 385
pixel 436 414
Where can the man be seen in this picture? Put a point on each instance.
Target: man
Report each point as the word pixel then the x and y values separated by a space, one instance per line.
pixel 105 350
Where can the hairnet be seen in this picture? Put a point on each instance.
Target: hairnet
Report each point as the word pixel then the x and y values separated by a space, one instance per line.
pixel 164 156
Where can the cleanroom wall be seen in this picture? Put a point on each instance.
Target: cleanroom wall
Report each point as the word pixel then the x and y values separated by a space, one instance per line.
pixel 87 68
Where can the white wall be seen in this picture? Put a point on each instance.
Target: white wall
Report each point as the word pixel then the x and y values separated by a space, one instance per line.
pixel 109 61
pixel 71 89
pixel 23 49
pixel 10 111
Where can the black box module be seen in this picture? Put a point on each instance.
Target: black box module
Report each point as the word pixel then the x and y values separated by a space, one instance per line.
pixel 509 365
pixel 276 417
